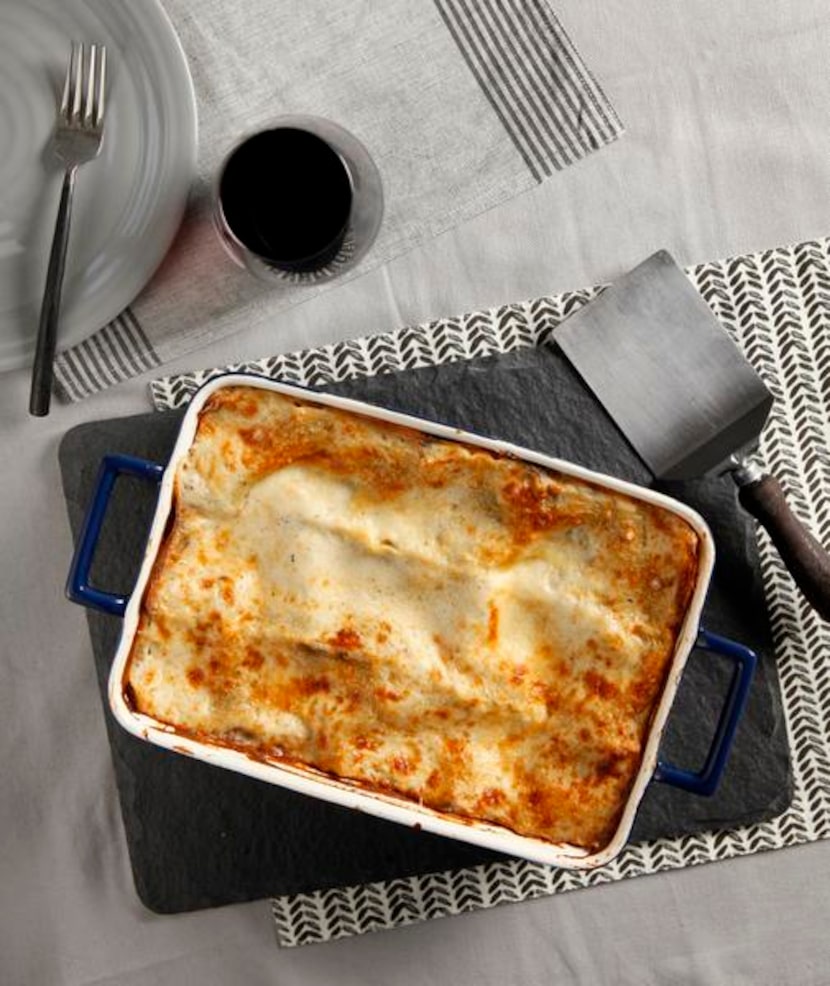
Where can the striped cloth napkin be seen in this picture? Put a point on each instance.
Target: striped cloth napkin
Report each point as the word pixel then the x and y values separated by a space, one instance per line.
pixel 462 105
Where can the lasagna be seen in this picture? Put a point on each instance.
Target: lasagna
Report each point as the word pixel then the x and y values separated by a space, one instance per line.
pixel 413 615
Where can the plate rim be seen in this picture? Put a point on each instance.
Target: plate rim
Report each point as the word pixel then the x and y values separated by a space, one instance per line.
pixel 150 12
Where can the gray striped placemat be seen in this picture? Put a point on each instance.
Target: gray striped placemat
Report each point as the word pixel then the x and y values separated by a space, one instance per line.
pixel 539 87
pixel 495 97
pixel 776 305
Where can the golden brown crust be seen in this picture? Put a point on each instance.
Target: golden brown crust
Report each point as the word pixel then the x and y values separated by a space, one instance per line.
pixel 417 616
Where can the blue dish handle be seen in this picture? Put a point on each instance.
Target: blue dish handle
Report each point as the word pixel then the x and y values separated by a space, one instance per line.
pixel 706 781
pixel 78 588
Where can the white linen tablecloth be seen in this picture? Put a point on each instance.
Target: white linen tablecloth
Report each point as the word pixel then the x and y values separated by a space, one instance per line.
pixel 727 150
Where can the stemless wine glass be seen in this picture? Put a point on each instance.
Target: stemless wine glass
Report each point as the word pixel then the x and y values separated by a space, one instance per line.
pixel 298 201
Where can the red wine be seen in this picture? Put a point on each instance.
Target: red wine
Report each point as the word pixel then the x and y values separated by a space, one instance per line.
pixel 286 195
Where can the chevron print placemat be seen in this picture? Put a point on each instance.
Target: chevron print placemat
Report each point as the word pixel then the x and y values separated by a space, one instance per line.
pixel 776 305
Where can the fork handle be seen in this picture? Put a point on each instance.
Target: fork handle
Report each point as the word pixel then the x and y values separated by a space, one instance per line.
pixel 41 391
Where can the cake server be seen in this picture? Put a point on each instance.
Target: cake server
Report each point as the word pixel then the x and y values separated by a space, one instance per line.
pixel 686 399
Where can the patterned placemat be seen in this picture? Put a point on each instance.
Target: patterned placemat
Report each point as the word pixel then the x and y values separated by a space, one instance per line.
pixel 776 305
pixel 462 106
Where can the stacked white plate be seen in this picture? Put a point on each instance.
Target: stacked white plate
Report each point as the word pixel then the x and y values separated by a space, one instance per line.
pixel 129 202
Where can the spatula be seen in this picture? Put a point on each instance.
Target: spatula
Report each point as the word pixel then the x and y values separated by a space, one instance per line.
pixel 686 399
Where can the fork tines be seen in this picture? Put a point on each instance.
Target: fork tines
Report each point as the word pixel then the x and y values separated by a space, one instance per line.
pixel 83 90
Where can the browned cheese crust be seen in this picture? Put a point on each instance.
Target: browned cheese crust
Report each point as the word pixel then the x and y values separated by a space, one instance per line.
pixel 418 616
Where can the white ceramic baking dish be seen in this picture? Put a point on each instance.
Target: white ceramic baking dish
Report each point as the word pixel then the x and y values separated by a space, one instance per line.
pixel 306 780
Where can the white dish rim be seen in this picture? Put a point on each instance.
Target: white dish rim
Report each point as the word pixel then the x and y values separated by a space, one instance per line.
pixel 308 781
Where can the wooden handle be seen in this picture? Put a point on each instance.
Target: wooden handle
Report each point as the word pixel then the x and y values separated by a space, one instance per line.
pixel 806 559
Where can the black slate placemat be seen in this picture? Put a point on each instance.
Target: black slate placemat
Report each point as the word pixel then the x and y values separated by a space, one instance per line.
pixel 200 836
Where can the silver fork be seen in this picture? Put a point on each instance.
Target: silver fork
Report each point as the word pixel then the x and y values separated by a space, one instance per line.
pixel 78 134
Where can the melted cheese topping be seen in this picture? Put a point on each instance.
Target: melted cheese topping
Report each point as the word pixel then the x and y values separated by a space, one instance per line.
pixel 415 615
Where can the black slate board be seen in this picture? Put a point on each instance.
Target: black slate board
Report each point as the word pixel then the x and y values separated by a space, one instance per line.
pixel 200 836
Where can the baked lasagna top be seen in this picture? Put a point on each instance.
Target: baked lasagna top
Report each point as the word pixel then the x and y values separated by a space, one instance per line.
pixel 415 615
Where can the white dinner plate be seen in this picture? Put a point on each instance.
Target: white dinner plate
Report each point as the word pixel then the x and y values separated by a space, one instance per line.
pixel 129 202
